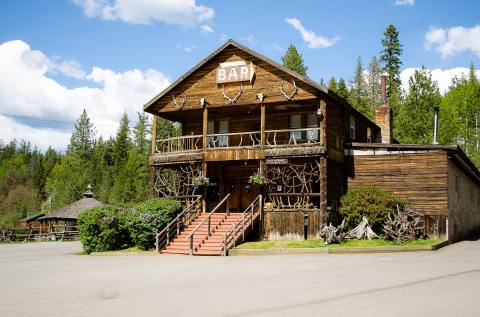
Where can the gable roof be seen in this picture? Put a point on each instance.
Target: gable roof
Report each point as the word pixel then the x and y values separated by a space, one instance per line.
pixel 267 60
pixel 71 211
pixel 243 48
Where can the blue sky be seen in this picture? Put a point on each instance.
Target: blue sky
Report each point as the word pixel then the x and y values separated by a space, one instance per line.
pixel 112 55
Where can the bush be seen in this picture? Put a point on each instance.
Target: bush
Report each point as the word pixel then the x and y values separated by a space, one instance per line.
pixel 149 217
pixel 371 202
pixel 104 228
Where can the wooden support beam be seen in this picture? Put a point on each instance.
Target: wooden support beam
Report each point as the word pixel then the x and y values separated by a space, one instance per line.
pixel 154 133
pixel 205 128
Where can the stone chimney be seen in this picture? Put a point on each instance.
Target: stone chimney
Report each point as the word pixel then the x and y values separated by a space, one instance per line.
pixel 384 115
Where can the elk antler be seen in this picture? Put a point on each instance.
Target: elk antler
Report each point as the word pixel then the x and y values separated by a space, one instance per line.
pixel 233 100
pixel 184 98
pixel 289 97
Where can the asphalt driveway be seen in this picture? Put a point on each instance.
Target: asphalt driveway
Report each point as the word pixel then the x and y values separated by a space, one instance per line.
pixel 47 279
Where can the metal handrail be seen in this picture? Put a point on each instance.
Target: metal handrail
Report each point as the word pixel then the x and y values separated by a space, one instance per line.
pixel 175 223
pixel 191 235
pixel 247 215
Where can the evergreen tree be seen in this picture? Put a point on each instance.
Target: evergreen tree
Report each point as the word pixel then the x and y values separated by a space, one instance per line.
pixel 332 84
pixel 122 143
pixel 294 61
pixel 342 89
pixel 358 94
pixel 374 86
pixel 415 120
pixel 83 137
pixel 390 57
pixel 141 131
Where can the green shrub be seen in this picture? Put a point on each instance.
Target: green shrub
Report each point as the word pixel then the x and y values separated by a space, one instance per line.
pixel 372 202
pixel 104 228
pixel 148 217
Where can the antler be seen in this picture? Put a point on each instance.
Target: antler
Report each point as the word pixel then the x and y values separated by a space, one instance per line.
pixel 289 97
pixel 234 100
pixel 184 98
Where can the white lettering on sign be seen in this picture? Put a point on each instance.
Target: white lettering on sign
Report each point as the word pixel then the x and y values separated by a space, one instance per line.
pixel 234 72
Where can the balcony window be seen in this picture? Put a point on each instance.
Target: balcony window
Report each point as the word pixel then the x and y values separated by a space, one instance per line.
pixel 369 135
pixel 222 129
pixel 295 122
pixel 312 122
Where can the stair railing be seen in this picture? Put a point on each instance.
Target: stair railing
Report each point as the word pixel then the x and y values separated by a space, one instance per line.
pixel 240 226
pixel 183 219
pixel 208 218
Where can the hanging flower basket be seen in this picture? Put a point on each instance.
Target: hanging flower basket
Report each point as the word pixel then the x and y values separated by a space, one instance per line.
pixel 200 181
pixel 257 179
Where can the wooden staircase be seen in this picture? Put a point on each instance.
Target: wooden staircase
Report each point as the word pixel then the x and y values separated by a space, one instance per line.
pixel 202 243
pixel 212 233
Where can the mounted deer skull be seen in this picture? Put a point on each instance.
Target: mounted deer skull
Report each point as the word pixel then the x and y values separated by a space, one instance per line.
pixel 294 91
pixel 184 98
pixel 233 100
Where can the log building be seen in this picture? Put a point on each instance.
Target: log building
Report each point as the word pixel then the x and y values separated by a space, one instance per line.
pixel 242 114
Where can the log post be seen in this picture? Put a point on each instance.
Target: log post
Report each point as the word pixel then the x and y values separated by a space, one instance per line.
pixel 262 164
pixel 154 133
pixel 204 147
pixel 323 164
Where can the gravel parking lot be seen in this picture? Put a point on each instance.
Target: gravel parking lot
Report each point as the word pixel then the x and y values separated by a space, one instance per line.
pixel 47 279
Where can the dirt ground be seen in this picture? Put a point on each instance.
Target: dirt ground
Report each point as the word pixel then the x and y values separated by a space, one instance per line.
pixel 47 279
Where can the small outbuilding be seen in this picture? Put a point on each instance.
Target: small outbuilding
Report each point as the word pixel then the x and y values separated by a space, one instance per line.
pixel 66 217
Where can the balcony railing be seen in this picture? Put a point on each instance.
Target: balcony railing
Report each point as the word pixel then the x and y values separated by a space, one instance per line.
pixel 179 144
pixel 273 138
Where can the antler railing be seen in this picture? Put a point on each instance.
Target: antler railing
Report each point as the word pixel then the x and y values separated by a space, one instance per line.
pixel 179 144
pixel 292 201
pixel 240 226
pixel 238 139
pixel 178 223
pixel 292 136
pixel 208 218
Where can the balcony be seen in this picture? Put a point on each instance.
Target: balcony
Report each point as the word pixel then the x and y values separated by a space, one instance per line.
pixel 240 145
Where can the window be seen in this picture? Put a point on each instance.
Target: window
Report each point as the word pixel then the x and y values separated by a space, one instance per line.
pixel 217 127
pixel 295 122
pixel 312 122
pixel 369 135
pixel 352 127
pixel 223 128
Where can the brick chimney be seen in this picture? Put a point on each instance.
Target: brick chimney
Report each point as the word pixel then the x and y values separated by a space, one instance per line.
pixel 384 115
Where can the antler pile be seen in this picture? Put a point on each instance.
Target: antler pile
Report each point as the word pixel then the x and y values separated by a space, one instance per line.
pixel 331 234
pixel 403 225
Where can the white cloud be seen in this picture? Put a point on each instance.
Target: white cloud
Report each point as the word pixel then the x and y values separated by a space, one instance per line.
pixel 189 49
pixel 206 29
pixel 450 41
pixel 180 12
pixel 404 2
pixel 442 76
pixel 313 40
pixel 40 137
pixel 26 90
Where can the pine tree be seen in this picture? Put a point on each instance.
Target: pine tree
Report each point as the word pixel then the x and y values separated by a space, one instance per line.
pixel 342 89
pixel 83 137
pixel 332 84
pixel 141 131
pixel 121 145
pixel 294 61
pixel 374 87
pixel 415 120
pixel 390 57
pixel 358 93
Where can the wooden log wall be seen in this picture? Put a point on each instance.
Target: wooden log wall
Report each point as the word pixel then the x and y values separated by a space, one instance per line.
pixel 464 204
pixel 282 223
pixel 419 178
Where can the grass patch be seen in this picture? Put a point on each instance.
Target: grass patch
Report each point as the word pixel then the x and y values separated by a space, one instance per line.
pixel 295 244
pixel 134 249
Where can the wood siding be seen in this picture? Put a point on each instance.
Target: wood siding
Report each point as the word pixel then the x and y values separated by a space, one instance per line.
pixel 202 84
pixel 420 178
pixel 464 204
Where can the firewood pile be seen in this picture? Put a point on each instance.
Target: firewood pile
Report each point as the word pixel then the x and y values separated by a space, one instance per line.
pixel 403 225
